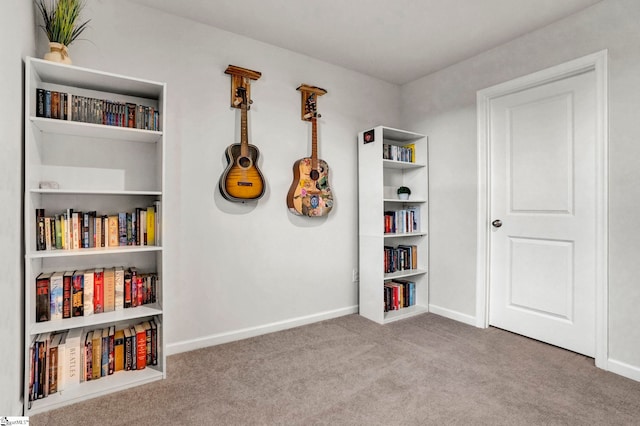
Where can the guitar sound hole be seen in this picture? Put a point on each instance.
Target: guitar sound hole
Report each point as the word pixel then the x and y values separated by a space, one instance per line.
pixel 244 162
pixel 314 174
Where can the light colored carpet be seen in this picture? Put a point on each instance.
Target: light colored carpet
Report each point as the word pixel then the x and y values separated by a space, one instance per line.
pixel 351 371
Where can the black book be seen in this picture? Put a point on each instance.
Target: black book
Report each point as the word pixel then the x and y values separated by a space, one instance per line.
pixel 40 103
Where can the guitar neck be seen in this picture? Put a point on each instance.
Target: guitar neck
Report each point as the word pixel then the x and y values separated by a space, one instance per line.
pixel 314 143
pixel 244 138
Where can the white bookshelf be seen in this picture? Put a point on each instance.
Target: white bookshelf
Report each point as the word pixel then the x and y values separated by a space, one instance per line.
pixel 100 168
pixel 378 180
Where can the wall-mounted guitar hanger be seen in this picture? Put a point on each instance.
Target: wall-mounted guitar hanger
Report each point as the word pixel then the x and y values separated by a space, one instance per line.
pixel 241 77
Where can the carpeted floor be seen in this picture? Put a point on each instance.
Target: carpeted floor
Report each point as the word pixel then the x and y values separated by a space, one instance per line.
pixel 350 371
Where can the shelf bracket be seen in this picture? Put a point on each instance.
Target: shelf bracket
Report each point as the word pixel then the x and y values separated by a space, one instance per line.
pixel 308 93
pixel 241 77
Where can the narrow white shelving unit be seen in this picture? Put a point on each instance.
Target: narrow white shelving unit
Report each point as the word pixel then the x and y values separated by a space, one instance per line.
pixel 378 180
pixel 104 168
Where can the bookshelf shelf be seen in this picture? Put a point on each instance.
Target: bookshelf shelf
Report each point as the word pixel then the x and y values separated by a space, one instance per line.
pixel 383 218
pixel 100 168
pixel 97 131
pixel 95 192
pixel 120 380
pixel 96 251
pixel 96 319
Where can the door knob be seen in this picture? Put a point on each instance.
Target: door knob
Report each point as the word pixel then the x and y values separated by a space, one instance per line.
pixel 497 223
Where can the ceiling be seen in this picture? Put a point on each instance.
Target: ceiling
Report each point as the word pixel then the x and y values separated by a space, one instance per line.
pixel 394 40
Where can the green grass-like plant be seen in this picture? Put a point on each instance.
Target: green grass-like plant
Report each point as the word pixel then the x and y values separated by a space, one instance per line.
pixel 60 18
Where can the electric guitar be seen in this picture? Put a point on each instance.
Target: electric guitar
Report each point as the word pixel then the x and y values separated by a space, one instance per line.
pixel 242 180
pixel 310 194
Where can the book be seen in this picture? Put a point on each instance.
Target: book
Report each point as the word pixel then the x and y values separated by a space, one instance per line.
pixel 134 286
pixel 87 359
pixel 154 342
pixel 62 353
pixel 111 350
pixel 96 354
pixel 104 358
pixel 43 302
pixel 52 369
pixel 47 233
pixel 56 295
pixel 140 294
pixel 58 233
pixel 134 348
pixel 158 223
pixel 128 349
pixel 119 288
pixel 76 220
pixel 77 294
pixel 122 229
pixel 114 240
pixel 119 350
pixel 40 103
pixel 147 328
pixel 151 226
pixel 72 358
pixel 40 232
pixel 141 346
pixel 89 287
pixel 98 238
pixel 98 291
pixel 127 289
pixel 109 289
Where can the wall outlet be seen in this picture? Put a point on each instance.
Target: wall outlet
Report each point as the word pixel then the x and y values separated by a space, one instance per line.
pixel 355 277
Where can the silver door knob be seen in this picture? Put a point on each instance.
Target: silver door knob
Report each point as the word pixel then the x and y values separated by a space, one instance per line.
pixel 497 223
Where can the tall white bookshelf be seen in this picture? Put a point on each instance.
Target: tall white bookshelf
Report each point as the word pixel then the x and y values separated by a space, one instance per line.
pixel 378 180
pixel 95 167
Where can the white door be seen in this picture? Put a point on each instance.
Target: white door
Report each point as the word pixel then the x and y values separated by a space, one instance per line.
pixel 542 145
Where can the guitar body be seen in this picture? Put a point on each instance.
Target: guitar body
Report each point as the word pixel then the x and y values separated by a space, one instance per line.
pixel 242 179
pixel 310 194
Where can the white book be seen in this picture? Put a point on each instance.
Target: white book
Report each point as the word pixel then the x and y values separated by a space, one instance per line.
pixel 55 294
pixel 88 292
pixel 119 304
pixel 62 349
pixel 73 347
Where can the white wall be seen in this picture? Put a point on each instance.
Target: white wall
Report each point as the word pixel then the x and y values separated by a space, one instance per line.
pixel 234 270
pixel 18 30
pixel 443 105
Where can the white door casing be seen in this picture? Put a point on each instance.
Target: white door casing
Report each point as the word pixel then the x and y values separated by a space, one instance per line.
pixel 543 273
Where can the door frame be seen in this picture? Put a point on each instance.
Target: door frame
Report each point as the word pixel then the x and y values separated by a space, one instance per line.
pixel 596 62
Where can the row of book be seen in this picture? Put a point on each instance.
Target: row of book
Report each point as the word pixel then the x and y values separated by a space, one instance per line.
pixel 61 295
pixel 400 258
pixel 63 360
pixel 71 229
pixel 399 294
pixel 65 106
pixel 402 221
pixel 406 154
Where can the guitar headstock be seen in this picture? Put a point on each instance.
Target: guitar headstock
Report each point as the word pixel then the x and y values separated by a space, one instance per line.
pixel 310 107
pixel 241 98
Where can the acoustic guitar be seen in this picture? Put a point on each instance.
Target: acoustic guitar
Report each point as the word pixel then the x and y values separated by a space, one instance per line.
pixel 242 179
pixel 310 194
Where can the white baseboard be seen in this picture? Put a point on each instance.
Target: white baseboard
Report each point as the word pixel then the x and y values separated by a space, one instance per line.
pixel 231 336
pixel 454 315
pixel 629 371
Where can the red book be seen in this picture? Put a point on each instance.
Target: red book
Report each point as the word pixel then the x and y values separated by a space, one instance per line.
pixel 140 292
pixel 98 291
pixel 141 347
pixel 66 294
pixel 43 312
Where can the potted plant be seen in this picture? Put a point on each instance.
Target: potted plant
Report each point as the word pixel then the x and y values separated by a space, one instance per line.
pixel 61 25
pixel 403 193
